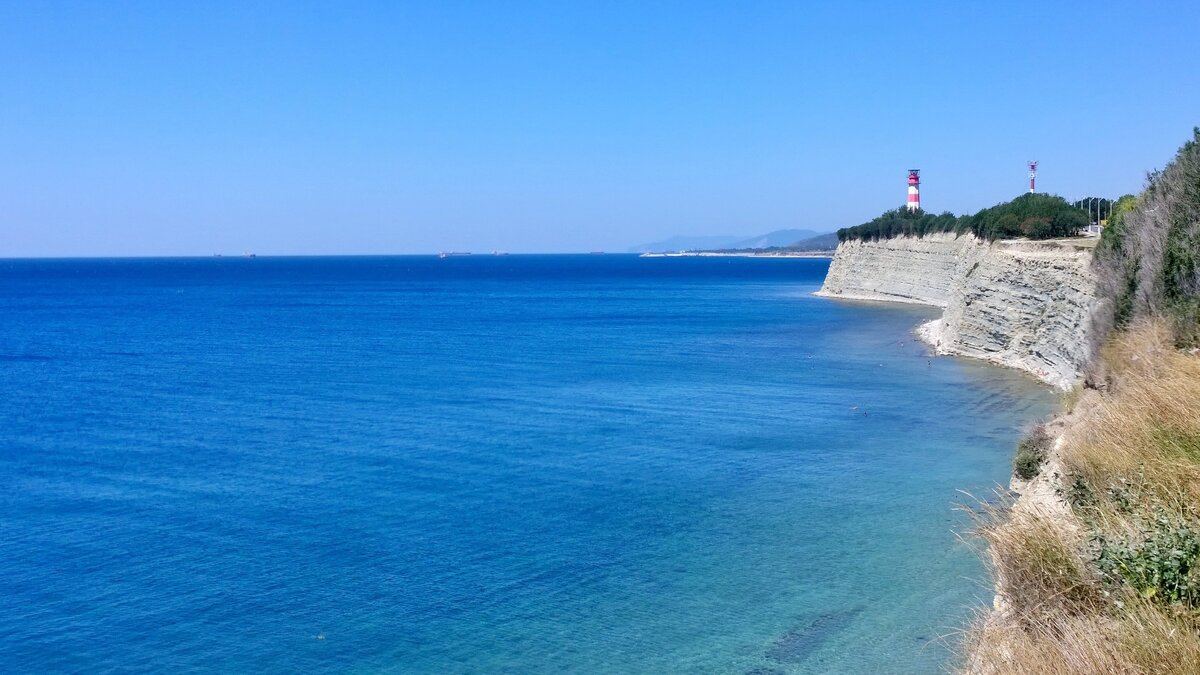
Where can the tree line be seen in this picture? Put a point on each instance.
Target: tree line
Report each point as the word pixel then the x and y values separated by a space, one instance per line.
pixel 1032 215
pixel 1148 258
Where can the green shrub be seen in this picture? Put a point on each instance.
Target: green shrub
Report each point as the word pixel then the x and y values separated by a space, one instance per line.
pixel 1031 452
pixel 1080 495
pixel 1164 565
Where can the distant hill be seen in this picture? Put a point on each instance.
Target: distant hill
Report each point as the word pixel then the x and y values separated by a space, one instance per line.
pixel 685 243
pixel 821 242
pixel 775 239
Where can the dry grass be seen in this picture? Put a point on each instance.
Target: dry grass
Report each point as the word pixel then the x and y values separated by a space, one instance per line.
pixel 1071 398
pixel 1136 450
pixel 1039 564
pixel 1080 243
pixel 1146 433
pixel 1139 638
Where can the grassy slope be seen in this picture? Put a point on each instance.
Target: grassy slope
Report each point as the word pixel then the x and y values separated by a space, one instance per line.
pixel 1098 564
pixel 1111 582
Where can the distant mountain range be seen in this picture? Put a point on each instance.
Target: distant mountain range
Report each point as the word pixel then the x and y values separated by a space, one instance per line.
pixel 685 243
pixel 821 242
pixel 810 239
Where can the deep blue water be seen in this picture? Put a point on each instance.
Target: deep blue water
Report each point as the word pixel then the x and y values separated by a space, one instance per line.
pixel 523 464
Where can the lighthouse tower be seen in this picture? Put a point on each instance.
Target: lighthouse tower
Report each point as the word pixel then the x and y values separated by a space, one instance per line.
pixel 1032 174
pixel 914 189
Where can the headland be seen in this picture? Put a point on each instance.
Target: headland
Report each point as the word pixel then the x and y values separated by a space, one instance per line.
pixel 1095 546
pixel 1017 303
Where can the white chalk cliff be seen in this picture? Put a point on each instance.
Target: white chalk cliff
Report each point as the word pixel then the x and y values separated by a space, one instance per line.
pixel 1021 304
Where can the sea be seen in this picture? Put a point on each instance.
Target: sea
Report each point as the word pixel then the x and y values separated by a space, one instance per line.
pixel 485 464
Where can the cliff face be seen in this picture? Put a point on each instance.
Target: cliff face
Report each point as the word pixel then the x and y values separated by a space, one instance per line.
pixel 1021 304
pixel 905 269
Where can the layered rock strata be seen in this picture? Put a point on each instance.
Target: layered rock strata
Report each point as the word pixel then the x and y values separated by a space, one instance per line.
pixel 1021 304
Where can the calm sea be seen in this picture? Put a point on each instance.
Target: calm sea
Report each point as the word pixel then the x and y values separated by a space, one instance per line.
pixel 520 464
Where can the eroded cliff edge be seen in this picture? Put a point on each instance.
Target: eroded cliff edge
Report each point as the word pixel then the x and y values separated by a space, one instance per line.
pixel 1021 304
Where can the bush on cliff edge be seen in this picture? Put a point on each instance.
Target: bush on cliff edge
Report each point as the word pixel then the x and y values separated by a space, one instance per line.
pixel 1031 452
pixel 1148 260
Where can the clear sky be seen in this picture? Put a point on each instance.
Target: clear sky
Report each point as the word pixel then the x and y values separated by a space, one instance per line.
pixel 170 128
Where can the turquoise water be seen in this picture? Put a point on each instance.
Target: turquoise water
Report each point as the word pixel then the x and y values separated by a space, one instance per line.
pixel 521 464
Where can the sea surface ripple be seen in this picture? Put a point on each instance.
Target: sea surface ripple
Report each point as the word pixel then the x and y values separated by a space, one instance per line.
pixel 513 464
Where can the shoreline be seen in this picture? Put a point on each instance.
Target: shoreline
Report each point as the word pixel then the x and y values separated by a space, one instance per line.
pixel 715 254
pixel 1018 304
pixel 1039 495
pixel 932 333
pixel 869 297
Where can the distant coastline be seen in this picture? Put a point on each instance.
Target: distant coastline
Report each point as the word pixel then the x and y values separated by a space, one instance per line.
pixel 740 254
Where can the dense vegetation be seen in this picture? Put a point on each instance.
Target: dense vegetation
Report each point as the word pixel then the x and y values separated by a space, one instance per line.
pixel 1149 255
pixel 901 221
pixel 1107 580
pixel 1036 216
pixel 1032 215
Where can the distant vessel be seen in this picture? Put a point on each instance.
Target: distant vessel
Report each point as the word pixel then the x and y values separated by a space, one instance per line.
pixel 499 252
pixel 450 254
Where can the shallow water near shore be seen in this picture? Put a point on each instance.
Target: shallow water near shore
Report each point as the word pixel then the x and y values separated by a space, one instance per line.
pixel 532 464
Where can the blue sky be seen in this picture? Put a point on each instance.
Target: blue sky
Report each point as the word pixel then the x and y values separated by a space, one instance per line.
pixel 194 128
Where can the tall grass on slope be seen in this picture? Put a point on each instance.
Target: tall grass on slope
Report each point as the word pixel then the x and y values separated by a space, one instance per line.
pixel 1038 563
pixel 1139 638
pixel 1115 588
pixel 1142 443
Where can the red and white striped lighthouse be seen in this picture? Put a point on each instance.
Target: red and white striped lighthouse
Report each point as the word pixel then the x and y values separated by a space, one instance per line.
pixel 914 189
pixel 1032 174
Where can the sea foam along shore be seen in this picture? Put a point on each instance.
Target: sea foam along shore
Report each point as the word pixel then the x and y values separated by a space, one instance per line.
pixel 1020 304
